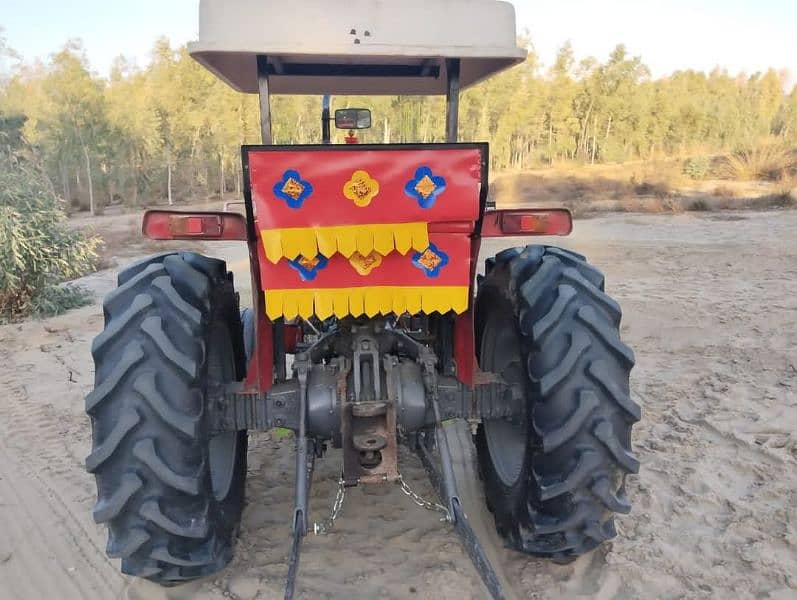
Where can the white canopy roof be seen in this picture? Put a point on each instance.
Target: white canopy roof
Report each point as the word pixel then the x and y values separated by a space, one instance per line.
pixel 355 46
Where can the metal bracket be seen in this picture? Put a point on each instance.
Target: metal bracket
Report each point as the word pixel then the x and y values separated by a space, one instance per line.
pixel 305 461
pixel 234 411
pixel 495 399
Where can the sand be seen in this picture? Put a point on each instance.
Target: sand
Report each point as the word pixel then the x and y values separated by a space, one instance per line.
pixel 710 307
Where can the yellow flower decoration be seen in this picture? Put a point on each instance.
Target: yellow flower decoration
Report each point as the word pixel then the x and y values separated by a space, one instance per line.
pixel 365 264
pixel 429 259
pixel 361 188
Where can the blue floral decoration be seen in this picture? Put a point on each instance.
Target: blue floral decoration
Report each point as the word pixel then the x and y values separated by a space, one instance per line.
pixel 293 189
pixel 425 187
pixel 431 260
pixel 308 268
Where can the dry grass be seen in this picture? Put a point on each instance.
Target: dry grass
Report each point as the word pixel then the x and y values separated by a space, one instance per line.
pixel 725 191
pixel 122 239
pixel 787 186
pixel 652 187
pixel 124 243
pixel 770 161
pixel 580 183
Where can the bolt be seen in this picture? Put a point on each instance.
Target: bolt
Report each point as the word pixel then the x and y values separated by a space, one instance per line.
pixel 278 403
pixel 278 422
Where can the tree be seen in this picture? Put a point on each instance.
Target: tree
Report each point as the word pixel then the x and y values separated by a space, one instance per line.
pixel 173 131
pixel 39 249
pixel 561 123
pixel 68 110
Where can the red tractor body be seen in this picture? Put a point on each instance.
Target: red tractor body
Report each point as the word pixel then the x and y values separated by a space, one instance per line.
pixel 368 327
pixel 365 231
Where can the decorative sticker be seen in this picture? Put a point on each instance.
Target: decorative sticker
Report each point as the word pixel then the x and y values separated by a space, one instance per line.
pixel 431 260
pixel 293 189
pixel 361 188
pixel 425 187
pixel 365 264
pixel 308 268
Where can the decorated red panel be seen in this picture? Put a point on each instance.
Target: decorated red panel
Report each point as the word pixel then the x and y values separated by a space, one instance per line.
pixel 316 187
pixel 446 262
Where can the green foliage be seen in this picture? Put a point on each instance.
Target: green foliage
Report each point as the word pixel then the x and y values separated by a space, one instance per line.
pixel 57 299
pixel 38 250
pixel 697 167
pixel 173 131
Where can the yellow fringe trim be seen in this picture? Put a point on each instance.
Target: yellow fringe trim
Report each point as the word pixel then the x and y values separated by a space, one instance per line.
pixel 369 301
pixel 346 239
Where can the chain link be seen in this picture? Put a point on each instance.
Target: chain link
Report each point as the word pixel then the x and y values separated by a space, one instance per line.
pixel 325 526
pixel 423 502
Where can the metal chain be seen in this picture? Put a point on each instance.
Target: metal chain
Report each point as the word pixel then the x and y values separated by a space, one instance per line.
pixel 423 502
pixel 325 526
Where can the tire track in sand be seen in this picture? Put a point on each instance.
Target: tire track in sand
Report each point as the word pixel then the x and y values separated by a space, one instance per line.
pixel 44 511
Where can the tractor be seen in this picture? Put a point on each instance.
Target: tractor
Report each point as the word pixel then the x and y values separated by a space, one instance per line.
pixel 369 327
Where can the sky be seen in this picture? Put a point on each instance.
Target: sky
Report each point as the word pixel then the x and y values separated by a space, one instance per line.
pixel 740 35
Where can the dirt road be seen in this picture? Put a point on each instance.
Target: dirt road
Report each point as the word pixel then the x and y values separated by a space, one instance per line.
pixel 710 307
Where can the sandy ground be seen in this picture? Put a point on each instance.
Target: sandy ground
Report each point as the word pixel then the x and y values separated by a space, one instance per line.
pixel 710 303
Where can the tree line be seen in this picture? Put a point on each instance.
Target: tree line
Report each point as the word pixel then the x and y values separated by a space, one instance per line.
pixel 172 131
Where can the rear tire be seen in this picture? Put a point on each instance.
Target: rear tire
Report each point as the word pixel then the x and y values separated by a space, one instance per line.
pixel 169 490
pixel 554 477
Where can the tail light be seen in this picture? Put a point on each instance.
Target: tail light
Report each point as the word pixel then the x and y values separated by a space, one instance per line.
pixel 527 221
pixel 177 225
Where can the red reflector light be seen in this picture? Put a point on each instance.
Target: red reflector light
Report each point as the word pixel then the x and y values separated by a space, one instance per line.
pixel 176 225
pixel 208 226
pixel 511 223
pixel 530 221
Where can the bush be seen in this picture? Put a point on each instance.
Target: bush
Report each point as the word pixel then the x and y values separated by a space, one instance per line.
pixel 725 191
pixel 38 249
pixel 770 161
pixel 699 205
pixel 697 167
pixel 651 187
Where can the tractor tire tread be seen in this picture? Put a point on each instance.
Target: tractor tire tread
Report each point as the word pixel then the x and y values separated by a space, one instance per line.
pixel 150 432
pixel 581 410
pixel 126 543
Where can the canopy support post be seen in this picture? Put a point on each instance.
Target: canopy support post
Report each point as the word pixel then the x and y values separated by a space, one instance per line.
pixel 265 99
pixel 452 99
pixel 265 134
pixel 326 133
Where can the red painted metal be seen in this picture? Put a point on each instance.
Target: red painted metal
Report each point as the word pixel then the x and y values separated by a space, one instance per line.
pixel 463 227
pixel 451 221
pixel 527 221
pixel 328 171
pixel 293 337
pixel 465 347
pixel 260 371
pixel 451 217
pixel 182 225
pixel 464 330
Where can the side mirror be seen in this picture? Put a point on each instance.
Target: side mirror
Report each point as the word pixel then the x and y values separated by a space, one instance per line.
pixel 352 118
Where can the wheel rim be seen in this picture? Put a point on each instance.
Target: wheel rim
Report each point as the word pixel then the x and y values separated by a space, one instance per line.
pixel 223 448
pixel 506 440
